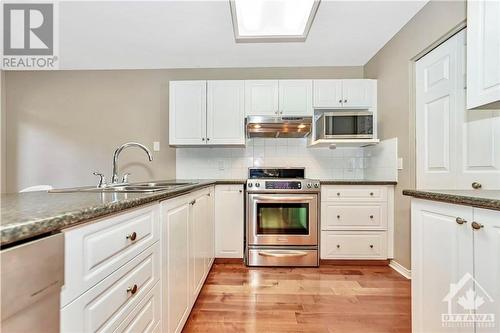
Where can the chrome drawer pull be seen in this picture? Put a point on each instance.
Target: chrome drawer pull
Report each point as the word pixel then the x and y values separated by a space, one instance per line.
pixel 477 226
pixel 132 290
pixel 371 246
pixel 338 246
pixel 132 236
pixel 460 220
pixel 371 216
pixel 371 193
pixel 282 254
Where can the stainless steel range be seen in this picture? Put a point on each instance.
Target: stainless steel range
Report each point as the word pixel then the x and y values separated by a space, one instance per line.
pixel 282 218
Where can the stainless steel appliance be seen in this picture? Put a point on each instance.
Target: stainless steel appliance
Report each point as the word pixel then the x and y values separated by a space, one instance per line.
pixel 278 127
pixel 345 125
pixel 282 218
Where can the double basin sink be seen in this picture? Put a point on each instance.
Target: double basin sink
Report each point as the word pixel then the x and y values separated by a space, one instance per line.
pixel 148 187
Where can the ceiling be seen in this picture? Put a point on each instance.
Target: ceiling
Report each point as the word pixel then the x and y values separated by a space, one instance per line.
pixel 191 34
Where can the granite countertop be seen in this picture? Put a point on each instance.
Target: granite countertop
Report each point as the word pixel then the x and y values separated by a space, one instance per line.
pixel 489 199
pixel 27 215
pixel 358 182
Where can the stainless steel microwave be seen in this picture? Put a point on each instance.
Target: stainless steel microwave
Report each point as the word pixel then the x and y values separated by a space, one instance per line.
pixel 345 125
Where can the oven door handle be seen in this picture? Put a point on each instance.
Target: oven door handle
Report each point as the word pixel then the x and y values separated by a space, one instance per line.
pixel 284 199
pixel 282 254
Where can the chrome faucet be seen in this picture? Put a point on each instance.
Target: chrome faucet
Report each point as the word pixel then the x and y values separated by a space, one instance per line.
pixel 114 179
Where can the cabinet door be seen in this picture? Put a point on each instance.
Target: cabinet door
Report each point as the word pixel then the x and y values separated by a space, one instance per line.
pixel 175 248
pixel 226 112
pixel 441 251
pixel 261 97
pixel 357 93
pixel 439 97
pixel 295 98
pixel 188 112
pixel 198 241
pixel 483 54
pixel 487 265
pixel 210 232
pixel 327 93
pixel 229 217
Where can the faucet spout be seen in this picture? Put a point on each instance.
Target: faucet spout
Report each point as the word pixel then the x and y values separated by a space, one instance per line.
pixel 117 154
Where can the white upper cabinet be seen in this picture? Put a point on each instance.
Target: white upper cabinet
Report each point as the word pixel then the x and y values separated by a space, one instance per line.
pixel 204 112
pixel 483 54
pixel 448 135
pixel 349 94
pixel 295 98
pixel 188 112
pixel 327 93
pixel 261 97
pixel 226 112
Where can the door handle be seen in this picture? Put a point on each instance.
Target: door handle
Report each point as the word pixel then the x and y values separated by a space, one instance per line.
pixel 283 199
pixel 282 254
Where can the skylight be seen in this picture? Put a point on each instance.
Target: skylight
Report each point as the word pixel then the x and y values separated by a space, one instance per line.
pixel 272 20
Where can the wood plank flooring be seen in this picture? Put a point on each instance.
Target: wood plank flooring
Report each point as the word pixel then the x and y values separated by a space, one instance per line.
pixel 332 298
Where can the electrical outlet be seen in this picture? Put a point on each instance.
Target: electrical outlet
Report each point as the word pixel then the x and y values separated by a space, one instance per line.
pixel 400 163
pixel 156 146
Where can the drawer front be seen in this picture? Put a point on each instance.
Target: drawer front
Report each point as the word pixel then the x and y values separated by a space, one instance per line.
pixel 353 245
pixel 354 193
pixel 146 316
pixel 352 216
pixel 95 250
pixel 105 306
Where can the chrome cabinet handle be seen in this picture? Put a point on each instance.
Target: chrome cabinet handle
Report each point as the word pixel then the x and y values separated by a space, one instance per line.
pixel 371 193
pixel 338 246
pixel 241 191
pixel 338 216
pixel 476 185
pixel 192 202
pixel 338 194
pixel 460 220
pixel 371 246
pixel 371 216
pixel 208 139
pixel 345 100
pixel 132 236
pixel 340 101
pixel 132 290
pixel 476 226
pixel 202 139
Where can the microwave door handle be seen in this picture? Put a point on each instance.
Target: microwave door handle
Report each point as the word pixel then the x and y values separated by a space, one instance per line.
pixel 282 254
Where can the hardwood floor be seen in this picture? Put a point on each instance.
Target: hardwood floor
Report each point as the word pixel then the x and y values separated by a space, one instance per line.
pixel 331 298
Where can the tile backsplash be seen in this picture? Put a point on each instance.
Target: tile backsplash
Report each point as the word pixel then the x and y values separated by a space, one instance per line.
pixel 320 163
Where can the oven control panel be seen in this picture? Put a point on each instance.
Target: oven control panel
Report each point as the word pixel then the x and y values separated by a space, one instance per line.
pixel 283 185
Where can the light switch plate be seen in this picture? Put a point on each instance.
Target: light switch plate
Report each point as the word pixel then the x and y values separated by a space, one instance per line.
pixel 156 146
pixel 400 163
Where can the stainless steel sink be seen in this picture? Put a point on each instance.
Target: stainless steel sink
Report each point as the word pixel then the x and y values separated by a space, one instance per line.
pixel 148 187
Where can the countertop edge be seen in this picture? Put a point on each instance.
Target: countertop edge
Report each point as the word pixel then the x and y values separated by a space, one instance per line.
pixel 455 199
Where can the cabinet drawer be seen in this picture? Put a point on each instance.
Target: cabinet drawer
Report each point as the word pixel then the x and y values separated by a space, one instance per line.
pixel 95 250
pixel 354 193
pixel 353 245
pixel 349 216
pixel 105 306
pixel 146 316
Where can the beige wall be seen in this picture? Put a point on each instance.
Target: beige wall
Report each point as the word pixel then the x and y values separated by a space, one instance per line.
pixel 393 67
pixel 62 125
pixel 3 129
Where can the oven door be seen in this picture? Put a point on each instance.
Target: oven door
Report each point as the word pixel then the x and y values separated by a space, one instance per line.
pixel 282 219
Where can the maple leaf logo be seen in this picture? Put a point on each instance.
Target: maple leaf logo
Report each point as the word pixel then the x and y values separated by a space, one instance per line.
pixel 470 301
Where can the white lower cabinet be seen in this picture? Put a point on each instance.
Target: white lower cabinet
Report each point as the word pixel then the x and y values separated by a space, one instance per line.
pixel 357 221
pixel 187 254
pixel 455 268
pixel 229 221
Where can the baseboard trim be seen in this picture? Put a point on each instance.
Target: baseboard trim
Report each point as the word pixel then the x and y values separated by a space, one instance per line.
pixel 229 260
pixel 400 269
pixel 354 262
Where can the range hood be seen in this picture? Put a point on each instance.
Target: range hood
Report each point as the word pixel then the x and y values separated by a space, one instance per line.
pixel 278 127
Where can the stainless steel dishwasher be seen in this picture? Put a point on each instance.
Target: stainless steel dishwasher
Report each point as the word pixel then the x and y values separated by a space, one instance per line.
pixel 32 275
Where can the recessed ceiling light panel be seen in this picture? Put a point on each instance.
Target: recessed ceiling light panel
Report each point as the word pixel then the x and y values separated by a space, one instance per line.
pixel 272 20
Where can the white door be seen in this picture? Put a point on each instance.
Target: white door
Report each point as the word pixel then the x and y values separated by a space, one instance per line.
pixel 229 221
pixel 226 112
pixel 441 253
pixel 439 97
pixel 188 112
pixel 175 242
pixel 198 220
pixel 483 53
pixel 295 98
pixel 327 93
pixel 357 93
pixel 487 265
pixel 261 97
